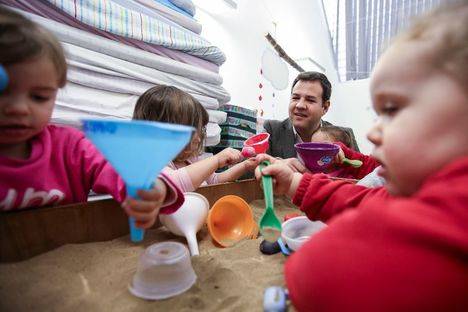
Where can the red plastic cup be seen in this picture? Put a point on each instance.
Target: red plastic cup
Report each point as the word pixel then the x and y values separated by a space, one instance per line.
pixel 258 142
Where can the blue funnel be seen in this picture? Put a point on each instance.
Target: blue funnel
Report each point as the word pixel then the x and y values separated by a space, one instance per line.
pixel 138 151
pixel 3 79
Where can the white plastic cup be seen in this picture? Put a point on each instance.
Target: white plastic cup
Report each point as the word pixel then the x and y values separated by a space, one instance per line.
pixel 296 231
pixel 164 270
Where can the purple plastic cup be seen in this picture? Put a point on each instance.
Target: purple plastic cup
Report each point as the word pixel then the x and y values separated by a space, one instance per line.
pixel 317 156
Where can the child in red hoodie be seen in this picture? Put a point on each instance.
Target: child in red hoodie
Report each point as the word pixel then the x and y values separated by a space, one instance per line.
pixel 403 247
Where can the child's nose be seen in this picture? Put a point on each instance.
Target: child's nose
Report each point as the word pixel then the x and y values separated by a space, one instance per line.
pixel 15 106
pixel 375 133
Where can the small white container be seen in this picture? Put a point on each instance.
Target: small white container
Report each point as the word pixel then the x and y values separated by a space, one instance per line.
pixel 296 231
pixel 164 271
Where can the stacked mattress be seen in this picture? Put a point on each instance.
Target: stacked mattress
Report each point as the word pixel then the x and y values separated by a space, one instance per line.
pixel 117 49
pixel 240 124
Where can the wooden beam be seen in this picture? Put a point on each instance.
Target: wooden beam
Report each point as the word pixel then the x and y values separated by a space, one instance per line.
pixel 26 233
pixel 283 53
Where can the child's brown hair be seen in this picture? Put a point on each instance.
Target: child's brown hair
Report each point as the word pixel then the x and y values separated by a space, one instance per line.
pixel 22 39
pixel 446 27
pixel 169 104
pixel 337 134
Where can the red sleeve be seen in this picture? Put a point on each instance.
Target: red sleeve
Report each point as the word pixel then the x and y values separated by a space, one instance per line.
pixel 321 198
pixel 389 254
pixel 369 163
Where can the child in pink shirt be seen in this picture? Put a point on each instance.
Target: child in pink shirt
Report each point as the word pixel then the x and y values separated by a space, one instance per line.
pixel 42 164
pixel 188 169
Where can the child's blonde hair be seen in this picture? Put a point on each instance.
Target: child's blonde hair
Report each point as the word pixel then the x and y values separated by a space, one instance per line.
pixel 22 39
pixel 447 28
pixel 169 104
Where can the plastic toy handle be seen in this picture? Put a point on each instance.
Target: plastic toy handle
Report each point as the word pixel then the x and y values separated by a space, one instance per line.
pixel 3 79
pixel 136 234
pixel 356 163
pixel 267 182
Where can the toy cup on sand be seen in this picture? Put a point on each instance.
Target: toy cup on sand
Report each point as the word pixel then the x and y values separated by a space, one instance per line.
pixel 317 156
pixel 230 220
pixel 164 271
pixel 138 151
pixel 257 144
pixel 298 230
pixel 188 219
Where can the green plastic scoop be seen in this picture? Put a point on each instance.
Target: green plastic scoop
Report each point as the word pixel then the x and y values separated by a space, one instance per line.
pixel 270 226
pixel 356 163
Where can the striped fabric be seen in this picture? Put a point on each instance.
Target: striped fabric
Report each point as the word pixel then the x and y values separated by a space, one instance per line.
pixel 239 126
pixel 111 17
pixel 179 18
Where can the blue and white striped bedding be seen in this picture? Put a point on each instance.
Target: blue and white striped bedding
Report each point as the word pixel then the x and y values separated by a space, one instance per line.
pixel 114 18
pixel 140 8
pixel 179 18
pixel 174 7
pixel 76 37
pixel 185 5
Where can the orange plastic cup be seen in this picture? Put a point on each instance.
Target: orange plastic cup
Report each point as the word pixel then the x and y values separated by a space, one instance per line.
pixel 230 220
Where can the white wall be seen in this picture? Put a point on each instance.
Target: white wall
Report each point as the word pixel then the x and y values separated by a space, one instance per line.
pixel 353 108
pixel 302 31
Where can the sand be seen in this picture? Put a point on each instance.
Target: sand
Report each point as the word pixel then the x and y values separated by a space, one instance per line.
pixel 95 276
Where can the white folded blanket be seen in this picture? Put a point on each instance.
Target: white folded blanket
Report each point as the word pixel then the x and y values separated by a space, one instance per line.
pixel 217 116
pixel 213 134
pixel 101 79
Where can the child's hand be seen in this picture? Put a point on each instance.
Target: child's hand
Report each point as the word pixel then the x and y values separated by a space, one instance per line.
pixel 145 210
pixel 339 157
pixel 285 180
pixel 293 163
pixel 228 156
pixel 250 164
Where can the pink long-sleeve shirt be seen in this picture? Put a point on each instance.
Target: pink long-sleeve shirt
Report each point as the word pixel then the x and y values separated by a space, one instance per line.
pixel 62 168
pixel 182 179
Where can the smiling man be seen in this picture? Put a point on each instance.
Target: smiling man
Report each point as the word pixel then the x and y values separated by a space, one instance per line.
pixel 310 100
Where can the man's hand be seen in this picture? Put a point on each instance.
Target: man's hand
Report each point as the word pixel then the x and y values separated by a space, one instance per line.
pixel 285 180
pixel 228 156
pixel 146 209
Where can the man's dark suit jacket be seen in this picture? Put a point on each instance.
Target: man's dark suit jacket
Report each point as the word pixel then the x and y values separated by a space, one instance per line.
pixel 282 138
